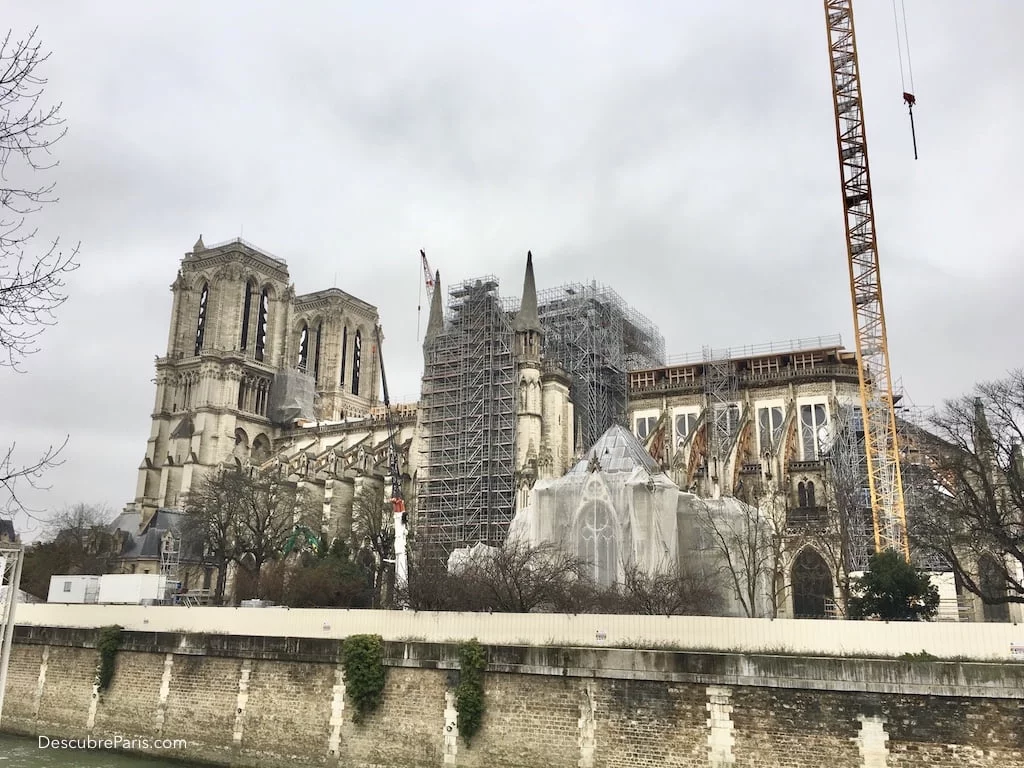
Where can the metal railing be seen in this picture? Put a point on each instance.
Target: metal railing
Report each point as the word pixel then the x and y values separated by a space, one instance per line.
pixel 754 350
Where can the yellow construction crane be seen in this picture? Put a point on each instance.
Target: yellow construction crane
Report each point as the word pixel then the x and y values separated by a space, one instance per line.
pixel 883 459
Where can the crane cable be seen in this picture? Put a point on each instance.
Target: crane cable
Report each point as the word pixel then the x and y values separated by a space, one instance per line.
pixel 908 95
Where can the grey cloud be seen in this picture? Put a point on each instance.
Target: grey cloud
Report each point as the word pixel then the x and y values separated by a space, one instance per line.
pixel 682 153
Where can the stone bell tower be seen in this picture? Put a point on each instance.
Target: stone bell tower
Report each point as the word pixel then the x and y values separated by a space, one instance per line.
pixel 229 317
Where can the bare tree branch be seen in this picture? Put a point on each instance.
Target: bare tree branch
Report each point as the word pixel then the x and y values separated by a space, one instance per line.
pixel 972 480
pixel 31 285
pixel 15 475
pixel 32 281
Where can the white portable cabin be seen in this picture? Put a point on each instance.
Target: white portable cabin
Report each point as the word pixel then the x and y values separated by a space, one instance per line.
pixel 132 588
pixel 73 589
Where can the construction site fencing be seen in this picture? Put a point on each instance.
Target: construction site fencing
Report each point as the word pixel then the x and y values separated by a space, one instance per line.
pixel 697 633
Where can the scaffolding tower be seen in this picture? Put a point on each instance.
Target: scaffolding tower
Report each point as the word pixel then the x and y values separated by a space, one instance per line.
pixel 597 338
pixel 846 463
pixel 170 558
pixel 721 392
pixel 467 494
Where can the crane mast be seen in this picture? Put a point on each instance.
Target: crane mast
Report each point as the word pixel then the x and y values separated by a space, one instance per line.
pixel 397 498
pixel 884 479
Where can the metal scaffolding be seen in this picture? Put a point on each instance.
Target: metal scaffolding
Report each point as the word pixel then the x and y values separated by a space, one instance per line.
pixel 467 493
pixel 597 339
pixel 913 430
pixel 721 391
pixel 847 466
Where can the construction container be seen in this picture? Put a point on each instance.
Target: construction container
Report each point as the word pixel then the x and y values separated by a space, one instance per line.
pixel 73 589
pixel 133 588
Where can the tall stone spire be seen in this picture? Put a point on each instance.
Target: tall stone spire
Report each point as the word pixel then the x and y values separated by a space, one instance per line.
pixel 435 324
pixel 527 318
pixel 983 441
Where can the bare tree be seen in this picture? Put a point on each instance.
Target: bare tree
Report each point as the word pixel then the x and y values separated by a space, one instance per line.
pixel 683 590
pixel 266 520
pixel 76 539
pixel 213 513
pixel 430 586
pixel 972 474
pixel 32 282
pixel 373 529
pixel 520 577
pixel 750 546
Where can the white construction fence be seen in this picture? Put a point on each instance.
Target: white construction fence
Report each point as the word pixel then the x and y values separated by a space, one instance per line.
pixel 697 633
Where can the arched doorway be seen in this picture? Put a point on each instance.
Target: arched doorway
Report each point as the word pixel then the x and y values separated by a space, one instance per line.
pixel 992 582
pixel 812 585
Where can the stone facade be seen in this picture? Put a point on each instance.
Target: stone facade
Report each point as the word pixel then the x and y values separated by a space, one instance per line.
pixel 776 427
pixel 249 701
pixel 236 325
pixel 779 411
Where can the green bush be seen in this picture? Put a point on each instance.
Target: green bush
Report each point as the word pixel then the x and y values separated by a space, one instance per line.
pixel 107 644
pixel 362 658
pixel 893 590
pixel 922 656
pixel 469 695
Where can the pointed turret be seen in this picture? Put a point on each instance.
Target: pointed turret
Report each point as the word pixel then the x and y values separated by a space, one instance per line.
pixel 982 434
pixel 527 318
pixel 435 323
pixel 199 246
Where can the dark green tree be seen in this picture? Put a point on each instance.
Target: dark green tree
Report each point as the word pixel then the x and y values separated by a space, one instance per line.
pixel 330 580
pixel 893 590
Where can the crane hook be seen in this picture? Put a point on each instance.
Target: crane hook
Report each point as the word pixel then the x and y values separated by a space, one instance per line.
pixel 910 101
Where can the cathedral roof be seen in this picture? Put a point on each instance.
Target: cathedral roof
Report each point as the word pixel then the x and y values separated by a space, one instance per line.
pixel 617 450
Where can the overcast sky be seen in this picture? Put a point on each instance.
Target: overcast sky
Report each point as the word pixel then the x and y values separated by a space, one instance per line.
pixel 682 152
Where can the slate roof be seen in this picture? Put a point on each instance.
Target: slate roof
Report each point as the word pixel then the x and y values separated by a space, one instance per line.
pixel 145 542
pixel 617 450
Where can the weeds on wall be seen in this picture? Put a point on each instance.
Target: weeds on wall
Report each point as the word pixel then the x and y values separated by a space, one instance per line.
pixel 362 658
pixel 107 644
pixel 469 695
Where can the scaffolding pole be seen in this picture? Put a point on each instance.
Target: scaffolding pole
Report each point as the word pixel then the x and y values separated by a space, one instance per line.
pixel 11 559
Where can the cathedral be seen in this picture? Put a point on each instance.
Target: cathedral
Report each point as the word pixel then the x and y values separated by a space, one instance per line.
pixel 256 375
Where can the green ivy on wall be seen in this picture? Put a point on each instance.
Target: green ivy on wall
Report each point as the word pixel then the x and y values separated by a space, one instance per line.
pixel 469 695
pixel 362 658
pixel 107 644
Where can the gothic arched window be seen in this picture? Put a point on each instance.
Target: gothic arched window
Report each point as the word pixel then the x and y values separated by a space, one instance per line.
pixel 204 298
pixel 596 542
pixel 801 495
pixel 344 354
pixel 992 581
pixel 812 586
pixel 246 315
pixel 303 347
pixel 261 325
pixel 316 351
pixel 357 354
